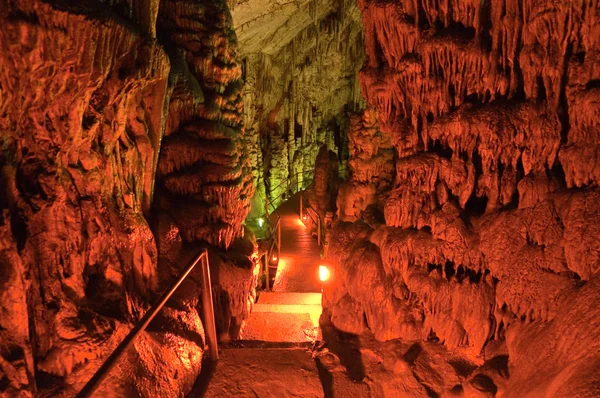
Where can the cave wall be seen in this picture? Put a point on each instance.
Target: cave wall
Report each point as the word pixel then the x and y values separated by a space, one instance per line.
pixel 300 61
pixel 203 173
pixel 98 102
pixel 479 229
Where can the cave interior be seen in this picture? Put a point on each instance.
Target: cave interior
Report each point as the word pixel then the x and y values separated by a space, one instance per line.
pixel 343 198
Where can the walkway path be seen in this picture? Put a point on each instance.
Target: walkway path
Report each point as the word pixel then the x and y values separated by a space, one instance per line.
pixel 263 372
pixel 284 317
pixel 291 312
pixel 274 357
pixel 300 254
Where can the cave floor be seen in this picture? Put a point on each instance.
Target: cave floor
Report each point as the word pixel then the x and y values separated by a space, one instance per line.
pixel 300 255
pixel 290 313
pixel 268 371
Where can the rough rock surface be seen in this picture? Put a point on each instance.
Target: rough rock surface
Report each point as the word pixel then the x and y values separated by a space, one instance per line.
pixel 203 173
pixel 204 182
pixel 264 372
pixel 483 231
pixel 371 165
pixel 321 192
pixel 87 92
pixel 300 60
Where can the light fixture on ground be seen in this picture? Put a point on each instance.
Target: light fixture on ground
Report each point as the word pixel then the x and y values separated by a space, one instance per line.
pixel 324 273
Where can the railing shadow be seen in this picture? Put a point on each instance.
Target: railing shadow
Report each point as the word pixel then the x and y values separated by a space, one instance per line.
pixel 207 372
pixel 326 379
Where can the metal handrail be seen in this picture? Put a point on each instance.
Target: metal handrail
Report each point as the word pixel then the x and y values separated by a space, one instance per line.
pixel 275 227
pixel 318 221
pixel 287 182
pixel 209 320
pixel 266 256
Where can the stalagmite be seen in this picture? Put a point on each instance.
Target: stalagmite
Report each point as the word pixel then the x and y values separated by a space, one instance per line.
pixel 492 109
pixel 446 154
pixel 314 50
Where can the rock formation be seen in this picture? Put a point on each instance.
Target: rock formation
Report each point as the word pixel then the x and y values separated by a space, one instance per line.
pixel 202 170
pixel 300 61
pixel 488 234
pixel 133 134
pixel 98 101
pixel 321 193
pixel 371 166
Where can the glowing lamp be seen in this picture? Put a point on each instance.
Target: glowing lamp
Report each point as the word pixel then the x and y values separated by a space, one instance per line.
pixel 304 217
pixel 274 258
pixel 261 222
pixel 324 273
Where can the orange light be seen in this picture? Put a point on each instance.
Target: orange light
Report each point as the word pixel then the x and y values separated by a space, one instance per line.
pixel 274 258
pixel 324 273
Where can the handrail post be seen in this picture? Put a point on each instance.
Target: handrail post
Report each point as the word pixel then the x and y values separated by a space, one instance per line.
pixel 267 281
pixel 301 207
pixel 208 310
pixel 143 323
pixel 278 236
pixel 319 229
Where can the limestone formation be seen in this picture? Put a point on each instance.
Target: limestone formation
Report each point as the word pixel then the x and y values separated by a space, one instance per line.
pixel 203 172
pixel 98 101
pixel 490 225
pixel 299 63
pixel 465 258
pixel 371 165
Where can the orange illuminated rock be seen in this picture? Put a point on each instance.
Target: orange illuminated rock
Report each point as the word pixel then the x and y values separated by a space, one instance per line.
pixel 87 92
pixel 204 177
pixel 371 165
pixel 487 248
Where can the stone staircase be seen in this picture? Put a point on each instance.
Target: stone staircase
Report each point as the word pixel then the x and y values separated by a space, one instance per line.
pixel 273 357
pixel 284 317
pixel 277 353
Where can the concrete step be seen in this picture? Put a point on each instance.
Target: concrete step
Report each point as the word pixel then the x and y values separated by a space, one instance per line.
pixel 289 298
pixel 261 372
pixel 313 311
pixel 282 327
pixel 289 308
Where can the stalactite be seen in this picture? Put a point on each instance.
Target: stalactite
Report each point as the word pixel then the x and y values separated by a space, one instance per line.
pixel 492 109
